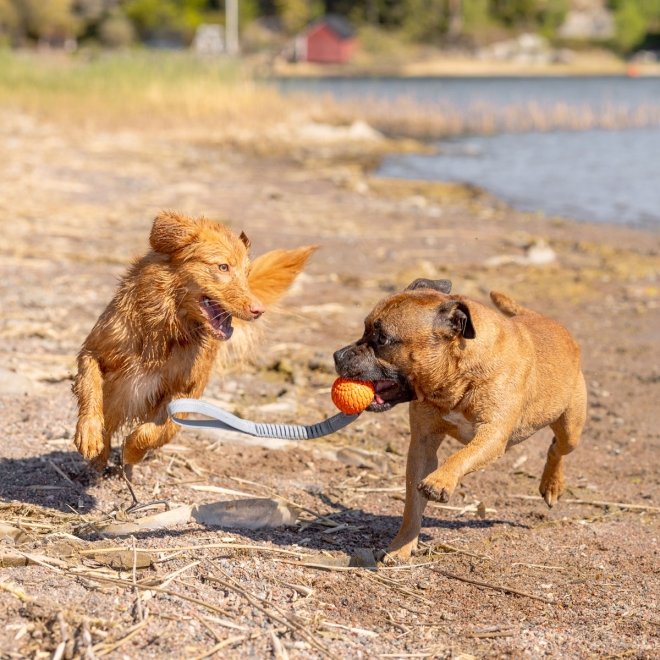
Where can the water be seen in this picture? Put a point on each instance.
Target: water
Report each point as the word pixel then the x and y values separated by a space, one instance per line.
pixel 594 91
pixel 594 175
pixel 607 176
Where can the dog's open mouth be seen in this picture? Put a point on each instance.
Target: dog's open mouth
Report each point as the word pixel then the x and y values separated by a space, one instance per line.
pixel 388 393
pixel 219 318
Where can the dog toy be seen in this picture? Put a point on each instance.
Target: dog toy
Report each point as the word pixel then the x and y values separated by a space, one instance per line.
pixel 223 420
pixel 352 396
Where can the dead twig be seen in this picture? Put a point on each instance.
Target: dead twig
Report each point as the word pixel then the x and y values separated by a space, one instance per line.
pixel 230 641
pixel 138 600
pixel 185 548
pixel 391 584
pixel 103 648
pixel 452 548
pixel 599 503
pixel 496 587
pixel 62 474
pixel 496 631
pixel 272 611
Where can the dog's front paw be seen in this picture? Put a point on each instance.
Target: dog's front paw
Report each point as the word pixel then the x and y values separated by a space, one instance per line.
pixel 89 441
pixel 438 489
pixel 552 486
pixel 398 551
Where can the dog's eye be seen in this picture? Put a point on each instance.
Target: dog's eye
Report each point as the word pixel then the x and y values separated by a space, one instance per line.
pixel 224 267
pixel 382 340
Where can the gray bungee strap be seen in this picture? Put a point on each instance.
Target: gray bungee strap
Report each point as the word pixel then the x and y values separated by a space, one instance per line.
pixel 221 419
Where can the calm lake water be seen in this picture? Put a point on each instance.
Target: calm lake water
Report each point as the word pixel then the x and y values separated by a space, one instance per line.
pixel 592 175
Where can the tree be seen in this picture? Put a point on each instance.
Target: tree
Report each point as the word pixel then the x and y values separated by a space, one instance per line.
pixel 9 21
pixel 116 31
pixel 49 20
pixel 425 20
pixel 630 25
pixel 168 17
pixel 296 14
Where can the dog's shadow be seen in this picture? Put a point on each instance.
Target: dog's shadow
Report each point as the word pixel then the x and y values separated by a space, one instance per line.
pixel 356 528
pixel 359 528
pixel 58 480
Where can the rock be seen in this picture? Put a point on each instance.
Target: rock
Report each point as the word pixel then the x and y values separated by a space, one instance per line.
pixel 540 253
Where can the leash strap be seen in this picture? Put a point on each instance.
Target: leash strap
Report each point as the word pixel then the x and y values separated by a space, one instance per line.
pixel 221 419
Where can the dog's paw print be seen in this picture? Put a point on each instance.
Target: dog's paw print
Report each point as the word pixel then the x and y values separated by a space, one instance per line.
pixel 436 489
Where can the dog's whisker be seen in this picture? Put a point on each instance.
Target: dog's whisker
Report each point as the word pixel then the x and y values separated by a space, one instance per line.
pixel 223 316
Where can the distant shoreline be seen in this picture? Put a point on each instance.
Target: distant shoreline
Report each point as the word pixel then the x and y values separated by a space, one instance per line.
pixel 456 68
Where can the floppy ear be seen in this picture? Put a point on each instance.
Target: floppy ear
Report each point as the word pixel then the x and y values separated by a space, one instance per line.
pixel 272 273
pixel 171 232
pixel 444 286
pixel 455 317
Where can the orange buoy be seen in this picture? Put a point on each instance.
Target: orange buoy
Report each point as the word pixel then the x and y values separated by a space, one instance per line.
pixel 352 396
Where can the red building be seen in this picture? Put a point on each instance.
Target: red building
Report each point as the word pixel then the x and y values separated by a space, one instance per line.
pixel 329 40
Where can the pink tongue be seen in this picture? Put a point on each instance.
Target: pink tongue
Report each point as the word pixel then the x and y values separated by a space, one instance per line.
pixel 378 399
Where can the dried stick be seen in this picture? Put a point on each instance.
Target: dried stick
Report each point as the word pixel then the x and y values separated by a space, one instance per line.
pixel 103 648
pixel 601 503
pixel 453 548
pixel 496 587
pixel 279 615
pixel 184 548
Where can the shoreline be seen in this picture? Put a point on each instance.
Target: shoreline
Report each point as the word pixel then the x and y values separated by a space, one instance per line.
pixel 469 68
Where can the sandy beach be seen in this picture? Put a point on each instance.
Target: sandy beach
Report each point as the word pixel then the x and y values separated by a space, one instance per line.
pixel 500 575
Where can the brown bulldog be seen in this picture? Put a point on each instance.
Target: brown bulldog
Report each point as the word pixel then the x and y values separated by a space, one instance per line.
pixel 488 378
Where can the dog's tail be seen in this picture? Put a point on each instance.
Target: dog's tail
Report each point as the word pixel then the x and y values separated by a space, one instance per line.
pixel 508 306
pixel 273 273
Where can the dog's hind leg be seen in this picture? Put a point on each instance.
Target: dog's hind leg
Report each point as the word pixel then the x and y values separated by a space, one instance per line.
pixel 567 429
pixel 427 431
pixel 152 434
pixel 91 439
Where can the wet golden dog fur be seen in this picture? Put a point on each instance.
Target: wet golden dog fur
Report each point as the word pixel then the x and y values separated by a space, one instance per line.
pixel 171 318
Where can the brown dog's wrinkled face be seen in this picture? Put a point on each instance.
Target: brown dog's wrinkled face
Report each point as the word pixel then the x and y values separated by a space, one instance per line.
pixel 403 336
pixel 212 265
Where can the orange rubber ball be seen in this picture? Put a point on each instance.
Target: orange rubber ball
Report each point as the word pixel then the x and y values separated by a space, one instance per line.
pixel 352 396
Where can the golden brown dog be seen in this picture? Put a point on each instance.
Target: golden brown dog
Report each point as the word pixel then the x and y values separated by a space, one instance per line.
pixel 488 378
pixel 159 337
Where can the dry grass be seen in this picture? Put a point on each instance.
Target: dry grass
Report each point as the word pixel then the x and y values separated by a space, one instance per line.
pixel 221 100
pixel 410 118
pixel 138 89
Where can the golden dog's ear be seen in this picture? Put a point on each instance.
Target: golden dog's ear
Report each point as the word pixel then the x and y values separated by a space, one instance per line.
pixel 271 274
pixel 455 317
pixel 171 232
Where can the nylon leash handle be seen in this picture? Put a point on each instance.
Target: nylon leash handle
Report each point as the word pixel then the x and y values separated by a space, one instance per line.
pixel 221 419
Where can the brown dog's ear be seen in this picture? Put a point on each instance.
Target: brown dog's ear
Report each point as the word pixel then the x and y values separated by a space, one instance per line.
pixel 246 241
pixel 171 232
pixel 455 316
pixel 444 286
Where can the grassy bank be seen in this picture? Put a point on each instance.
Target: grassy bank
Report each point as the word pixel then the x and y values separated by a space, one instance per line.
pixel 139 89
pixel 220 99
